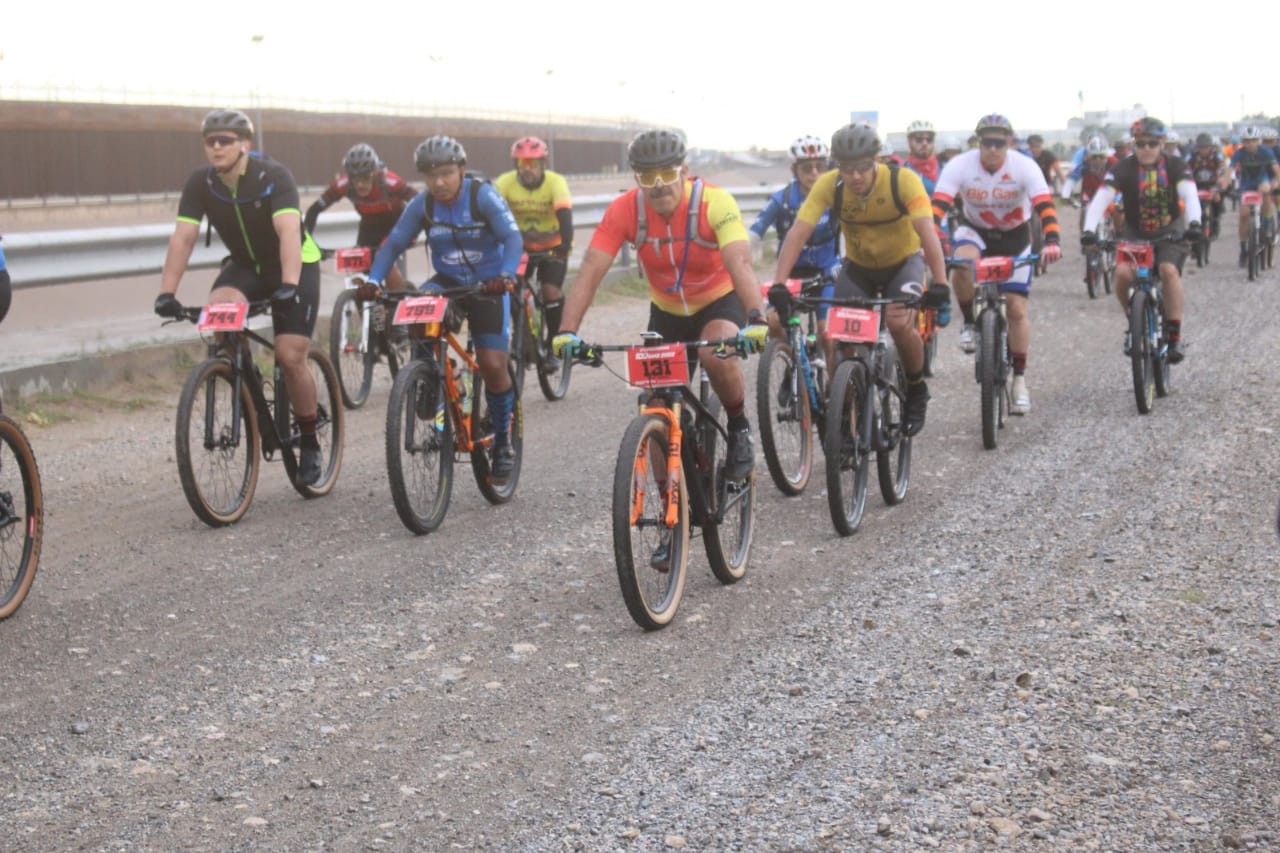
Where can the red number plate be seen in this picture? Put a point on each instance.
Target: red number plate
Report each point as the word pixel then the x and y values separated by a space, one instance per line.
pixel 793 287
pixel 223 317
pixel 524 264
pixel 353 260
pixel 1138 254
pixel 420 309
pixel 653 367
pixel 1205 195
pixel 854 325
pixel 995 269
pixel 1251 197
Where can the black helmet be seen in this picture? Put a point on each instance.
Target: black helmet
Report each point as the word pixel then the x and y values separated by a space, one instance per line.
pixel 361 161
pixel 1204 139
pixel 232 120
pixel 1148 127
pixel 439 151
pixel 854 142
pixel 653 148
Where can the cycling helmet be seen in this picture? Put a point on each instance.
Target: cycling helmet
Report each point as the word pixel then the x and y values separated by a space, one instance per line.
pixel 950 142
pixel 1173 136
pixel 1204 139
pixel 361 161
pixel 652 149
pixel 854 142
pixel 919 126
pixel 809 148
pixel 529 148
pixel 232 120
pixel 1097 145
pixel 1251 132
pixel 1148 127
pixel 994 121
pixel 439 151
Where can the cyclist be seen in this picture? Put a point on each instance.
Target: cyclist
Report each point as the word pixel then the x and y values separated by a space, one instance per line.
pixel 473 241
pixel 885 218
pixel 6 286
pixel 695 253
pixel 1210 173
pixel 999 193
pixel 1158 191
pixel 1054 174
pixel 809 156
pixel 539 198
pixel 920 157
pixel 949 146
pixel 252 202
pixel 1255 169
pixel 378 195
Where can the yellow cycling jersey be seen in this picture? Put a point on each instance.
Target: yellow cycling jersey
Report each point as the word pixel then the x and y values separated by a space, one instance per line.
pixel 876 233
pixel 535 210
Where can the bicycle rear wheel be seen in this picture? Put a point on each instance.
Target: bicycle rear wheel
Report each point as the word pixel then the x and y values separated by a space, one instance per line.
pixel 419 443
pixel 847 460
pixel 786 425
pixel 218 472
pixel 21 516
pixel 482 427
pixel 353 366
pixel 554 385
pixel 329 428
pixel 1092 262
pixel 1144 386
pixel 1253 252
pixel 893 462
pixel 651 585
pixel 518 356
pixel 990 370
pixel 730 526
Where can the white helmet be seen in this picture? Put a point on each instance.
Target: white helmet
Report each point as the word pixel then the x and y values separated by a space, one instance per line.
pixel 919 126
pixel 1251 132
pixel 1172 136
pixel 886 150
pixel 950 142
pixel 809 148
pixel 1097 145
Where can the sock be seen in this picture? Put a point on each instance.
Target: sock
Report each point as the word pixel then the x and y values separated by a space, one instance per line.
pixel 307 426
pixel 737 412
pixel 966 309
pixel 1173 330
pixel 554 311
pixel 500 408
pixel 1019 361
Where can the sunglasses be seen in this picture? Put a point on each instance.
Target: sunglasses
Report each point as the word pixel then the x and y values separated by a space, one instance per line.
pixel 815 166
pixel 1147 143
pixel 664 176
pixel 995 142
pixel 528 162
pixel 920 138
pixel 860 168
pixel 220 141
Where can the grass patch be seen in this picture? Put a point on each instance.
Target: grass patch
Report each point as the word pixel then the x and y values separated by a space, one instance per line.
pixel 1191 596
pixel 48 409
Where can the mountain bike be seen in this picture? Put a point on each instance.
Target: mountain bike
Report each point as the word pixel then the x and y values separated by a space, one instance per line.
pixel 1100 261
pixel 530 340
pixel 1201 248
pixel 21 516
pixel 992 367
pixel 670 475
pixel 359 335
pixel 437 409
pixel 865 410
pixel 228 414
pixel 791 386
pixel 927 327
pixel 1145 341
pixel 1255 249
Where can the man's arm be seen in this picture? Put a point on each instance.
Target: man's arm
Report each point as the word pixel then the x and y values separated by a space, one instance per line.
pixel 789 252
pixel 595 264
pixel 737 260
pixel 934 258
pixel 288 225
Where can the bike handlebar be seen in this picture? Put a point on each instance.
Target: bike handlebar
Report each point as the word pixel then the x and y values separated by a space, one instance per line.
pixel 592 354
pixel 191 313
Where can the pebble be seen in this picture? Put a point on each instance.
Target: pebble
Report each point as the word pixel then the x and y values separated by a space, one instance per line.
pixel 1004 826
pixel 883 827
pixel 674 841
pixel 593 758
pixel 78 728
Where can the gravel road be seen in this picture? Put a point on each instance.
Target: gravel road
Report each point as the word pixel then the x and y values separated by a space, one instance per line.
pixel 1068 643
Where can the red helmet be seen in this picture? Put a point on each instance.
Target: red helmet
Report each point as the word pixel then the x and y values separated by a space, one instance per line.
pixel 529 148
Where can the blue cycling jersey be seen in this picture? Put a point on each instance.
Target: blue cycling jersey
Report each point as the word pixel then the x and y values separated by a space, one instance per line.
pixel 466 250
pixel 780 213
pixel 1255 168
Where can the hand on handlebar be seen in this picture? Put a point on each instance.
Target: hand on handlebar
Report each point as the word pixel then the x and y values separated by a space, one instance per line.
pixel 499 285
pixel 566 345
pixel 285 295
pixel 365 289
pixel 167 305
pixel 1194 233
pixel 1088 240
pixel 1051 253
pixel 753 337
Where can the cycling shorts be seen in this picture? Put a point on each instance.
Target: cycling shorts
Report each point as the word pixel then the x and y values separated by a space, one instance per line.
pixel 674 327
pixel 547 269
pixel 1250 184
pixel 1005 244
pixel 488 316
pixel 301 318
pixel 903 279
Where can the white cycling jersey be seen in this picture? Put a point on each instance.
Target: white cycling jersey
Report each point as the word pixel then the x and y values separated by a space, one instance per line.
pixel 999 201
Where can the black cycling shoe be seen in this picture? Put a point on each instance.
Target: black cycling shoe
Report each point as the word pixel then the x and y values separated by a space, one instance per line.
pixel 915 407
pixel 310 467
pixel 503 464
pixel 550 364
pixel 660 559
pixel 1175 353
pixel 740 455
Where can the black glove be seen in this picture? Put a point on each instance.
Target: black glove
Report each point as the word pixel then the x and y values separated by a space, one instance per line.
pixel 1088 240
pixel 1195 233
pixel 937 295
pixel 780 299
pixel 167 305
pixel 497 286
pixel 284 297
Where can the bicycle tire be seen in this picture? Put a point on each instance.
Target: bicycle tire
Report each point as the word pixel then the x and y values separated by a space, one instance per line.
pixel 1144 386
pixel 652 596
pixel 330 429
pixel 1108 270
pixel 419 445
pixel 218 488
pixel 1091 274
pixel 893 453
pixel 1253 252
pixel 989 376
pixel 22 535
pixel 1160 367
pixel 554 385
pixel 1204 248
pixel 847 460
pixel 354 368
pixel 728 532
pixel 481 428
pixel 786 425
pixel 929 335
pixel 517 347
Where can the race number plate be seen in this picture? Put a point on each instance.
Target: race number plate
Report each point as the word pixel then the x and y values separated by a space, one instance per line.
pixel 995 269
pixel 655 367
pixel 420 309
pixel 854 325
pixel 223 317
pixel 1251 197
pixel 1205 195
pixel 353 260
pixel 1138 254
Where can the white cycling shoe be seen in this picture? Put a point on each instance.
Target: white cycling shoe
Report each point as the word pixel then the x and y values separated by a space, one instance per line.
pixel 1020 404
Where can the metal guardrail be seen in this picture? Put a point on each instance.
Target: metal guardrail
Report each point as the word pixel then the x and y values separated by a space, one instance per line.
pixel 41 258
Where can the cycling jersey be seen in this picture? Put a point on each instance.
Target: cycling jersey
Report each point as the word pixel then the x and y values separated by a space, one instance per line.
pixel 996 201
pixel 466 250
pixel 244 216
pixel 927 169
pixel 686 271
pixel 877 234
pixel 819 251
pixel 1093 177
pixel 1206 169
pixel 1154 196
pixel 1254 169
pixel 535 209
pixel 378 211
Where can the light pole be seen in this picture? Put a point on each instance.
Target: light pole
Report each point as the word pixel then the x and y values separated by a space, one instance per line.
pixel 551 133
pixel 257 96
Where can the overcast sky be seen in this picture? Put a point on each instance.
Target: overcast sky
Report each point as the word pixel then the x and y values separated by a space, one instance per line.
pixel 732 75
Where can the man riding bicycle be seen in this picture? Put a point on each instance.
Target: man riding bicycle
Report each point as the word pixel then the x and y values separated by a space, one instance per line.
pixel 1157 191
pixel 885 218
pixel 999 193
pixel 252 202
pixel 920 157
pixel 1209 171
pixel 1256 168
pixel 378 194
pixel 539 198
pixel 473 242
pixel 694 250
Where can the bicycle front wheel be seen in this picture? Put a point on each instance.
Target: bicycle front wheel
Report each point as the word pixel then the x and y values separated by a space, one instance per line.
pixel 21 516
pixel 554 385
pixel 329 428
pixel 786 422
pixel 1160 367
pixel 893 453
pixel 846 452
pixel 651 558
pixel 481 428
pixel 217 467
pixel 990 376
pixel 929 334
pixel 1092 263
pixel 517 348
pixel 1140 355
pixel 419 442
pixel 1253 252
pixel 352 356
pixel 730 526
